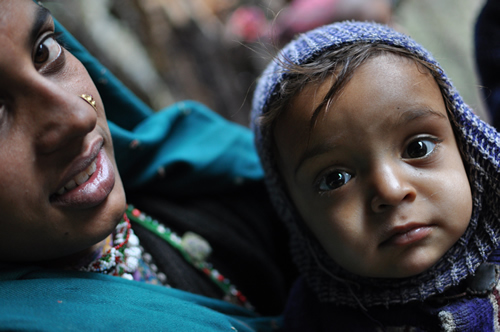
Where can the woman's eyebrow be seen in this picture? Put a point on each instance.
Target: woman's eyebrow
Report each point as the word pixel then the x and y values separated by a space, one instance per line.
pixel 42 15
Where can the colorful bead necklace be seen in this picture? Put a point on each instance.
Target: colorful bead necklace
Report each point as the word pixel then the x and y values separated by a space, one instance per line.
pixel 122 259
pixel 195 251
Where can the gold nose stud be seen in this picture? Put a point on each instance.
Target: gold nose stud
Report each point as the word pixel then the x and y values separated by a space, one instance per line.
pixel 90 100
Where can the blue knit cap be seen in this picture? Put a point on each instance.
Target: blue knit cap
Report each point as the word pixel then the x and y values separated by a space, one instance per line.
pixel 479 143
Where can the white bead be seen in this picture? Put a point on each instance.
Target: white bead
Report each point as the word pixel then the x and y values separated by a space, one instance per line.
pixel 127 276
pixel 133 240
pixel 132 263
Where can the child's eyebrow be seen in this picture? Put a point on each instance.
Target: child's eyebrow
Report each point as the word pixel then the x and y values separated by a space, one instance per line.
pixel 414 114
pixel 319 149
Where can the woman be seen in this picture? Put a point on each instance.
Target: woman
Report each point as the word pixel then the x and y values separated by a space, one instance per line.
pixel 62 196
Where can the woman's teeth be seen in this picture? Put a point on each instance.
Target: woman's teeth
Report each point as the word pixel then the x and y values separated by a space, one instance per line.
pixel 79 179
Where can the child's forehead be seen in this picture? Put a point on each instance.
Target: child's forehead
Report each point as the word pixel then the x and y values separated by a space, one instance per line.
pixel 388 71
pixel 387 100
pixel 377 79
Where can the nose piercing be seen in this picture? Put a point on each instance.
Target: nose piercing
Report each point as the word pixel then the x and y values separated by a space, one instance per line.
pixel 90 100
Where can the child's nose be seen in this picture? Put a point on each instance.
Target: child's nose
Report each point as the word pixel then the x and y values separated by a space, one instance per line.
pixel 61 117
pixel 391 186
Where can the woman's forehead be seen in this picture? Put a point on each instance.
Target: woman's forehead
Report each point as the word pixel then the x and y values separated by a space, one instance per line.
pixel 18 16
pixel 21 22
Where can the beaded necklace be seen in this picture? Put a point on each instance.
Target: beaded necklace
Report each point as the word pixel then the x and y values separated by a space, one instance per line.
pixel 121 260
pixel 194 249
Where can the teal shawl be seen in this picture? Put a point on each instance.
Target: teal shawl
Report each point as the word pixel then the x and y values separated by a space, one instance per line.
pixel 33 299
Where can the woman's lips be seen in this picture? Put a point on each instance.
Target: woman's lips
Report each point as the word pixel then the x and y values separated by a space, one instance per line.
pixel 91 191
pixel 79 179
pixel 407 235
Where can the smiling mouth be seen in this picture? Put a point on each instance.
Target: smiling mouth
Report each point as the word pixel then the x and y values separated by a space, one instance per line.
pixel 79 179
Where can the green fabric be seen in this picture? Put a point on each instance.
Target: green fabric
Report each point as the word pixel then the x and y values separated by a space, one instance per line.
pixel 195 148
pixel 33 299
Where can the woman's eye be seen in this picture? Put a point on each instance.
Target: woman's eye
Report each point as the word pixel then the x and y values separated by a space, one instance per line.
pixel 46 52
pixel 419 149
pixel 334 180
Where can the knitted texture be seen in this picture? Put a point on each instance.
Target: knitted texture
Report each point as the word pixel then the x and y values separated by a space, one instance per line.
pixel 480 146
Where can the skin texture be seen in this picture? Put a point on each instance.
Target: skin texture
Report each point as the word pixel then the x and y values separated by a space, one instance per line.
pixel 378 178
pixel 49 134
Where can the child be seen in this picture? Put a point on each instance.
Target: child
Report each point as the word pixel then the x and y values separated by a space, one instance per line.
pixel 386 180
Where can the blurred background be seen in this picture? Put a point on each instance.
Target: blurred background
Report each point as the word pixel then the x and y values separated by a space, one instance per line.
pixel 212 51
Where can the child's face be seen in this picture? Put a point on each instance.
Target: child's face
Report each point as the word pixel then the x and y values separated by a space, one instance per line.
pixel 379 178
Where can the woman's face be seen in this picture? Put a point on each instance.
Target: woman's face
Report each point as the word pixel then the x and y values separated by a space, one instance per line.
pixel 60 191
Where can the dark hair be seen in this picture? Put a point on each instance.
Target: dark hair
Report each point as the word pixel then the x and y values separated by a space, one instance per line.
pixel 342 63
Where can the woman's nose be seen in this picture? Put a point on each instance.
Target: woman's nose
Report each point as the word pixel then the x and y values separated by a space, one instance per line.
pixel 61 117
pixel 391 186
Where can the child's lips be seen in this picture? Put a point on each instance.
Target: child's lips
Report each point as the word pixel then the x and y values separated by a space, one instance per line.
pixel 407 234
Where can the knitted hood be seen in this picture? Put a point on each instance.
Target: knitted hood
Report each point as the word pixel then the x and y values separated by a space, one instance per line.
pixel 480 146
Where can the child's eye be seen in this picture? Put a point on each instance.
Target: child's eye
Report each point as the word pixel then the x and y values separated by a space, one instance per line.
pixel 419 149
pixel 334 180
pixel 47 52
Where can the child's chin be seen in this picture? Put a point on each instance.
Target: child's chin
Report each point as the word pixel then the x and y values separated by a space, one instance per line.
pixel 400 271
pixel 408 271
